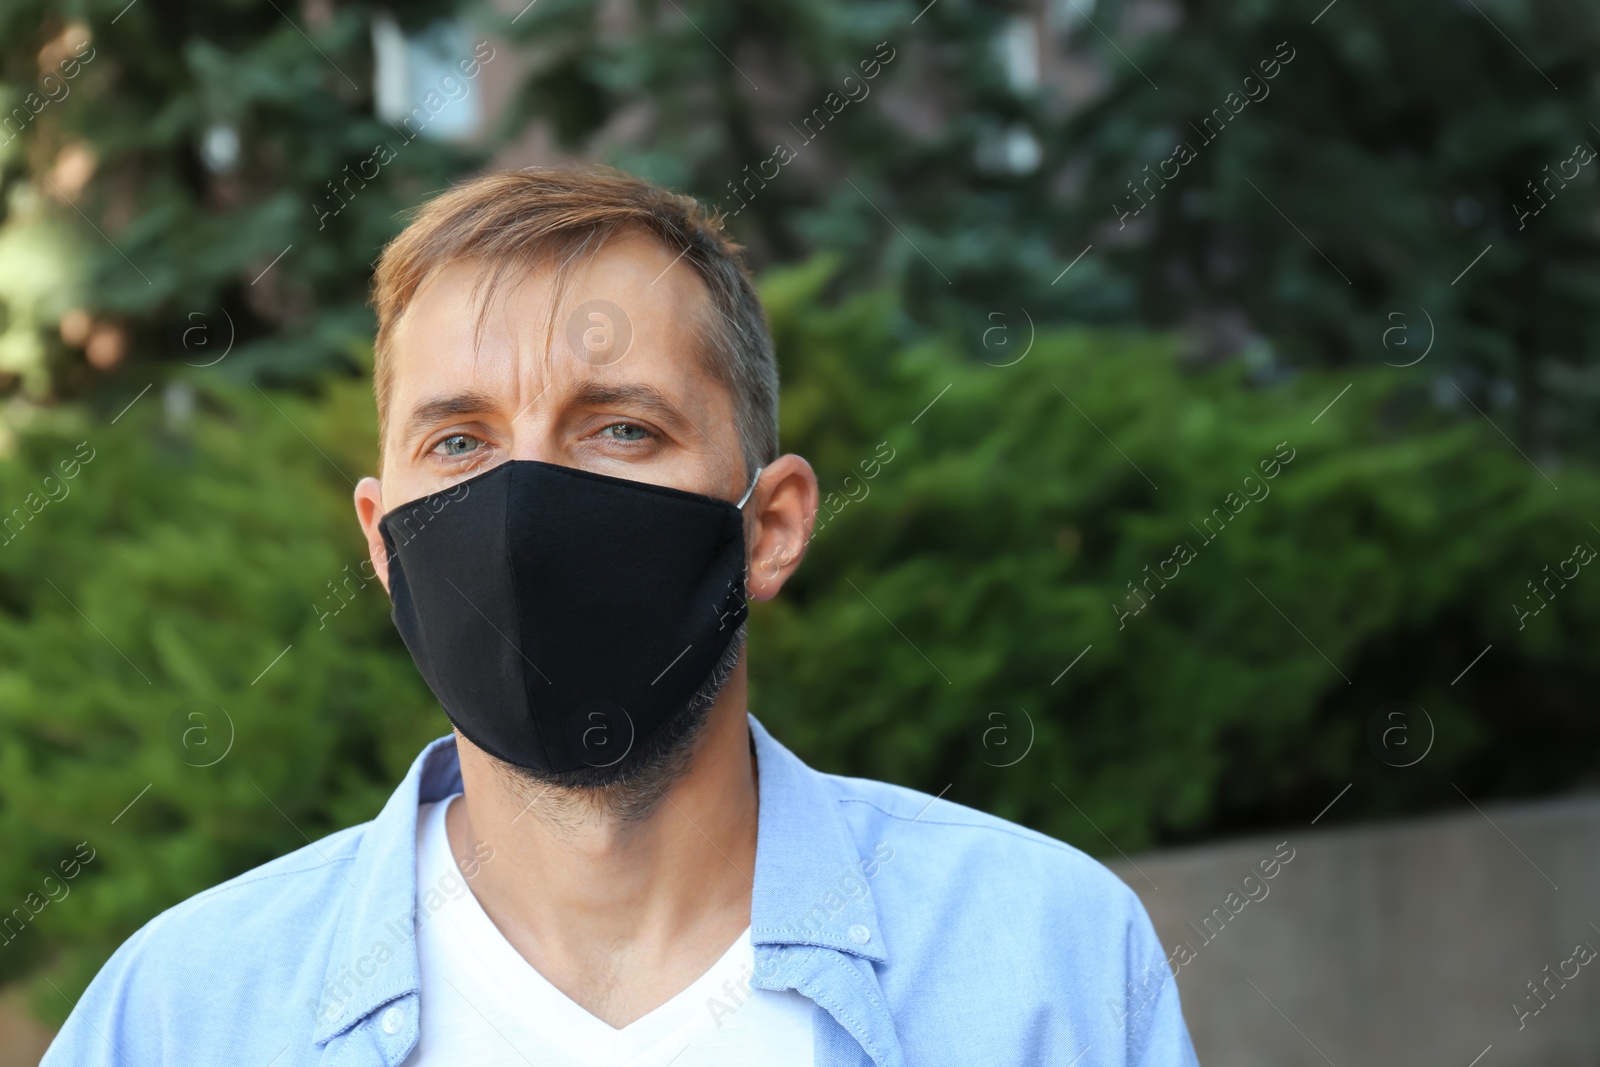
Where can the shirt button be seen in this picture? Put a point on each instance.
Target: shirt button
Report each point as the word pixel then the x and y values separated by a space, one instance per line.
pixel 860 934
pixel 335 1010
pixel 393 1019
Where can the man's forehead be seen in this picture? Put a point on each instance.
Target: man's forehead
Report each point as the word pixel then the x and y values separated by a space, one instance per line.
pixel 633 266
pixel 625 323
pixel 630 293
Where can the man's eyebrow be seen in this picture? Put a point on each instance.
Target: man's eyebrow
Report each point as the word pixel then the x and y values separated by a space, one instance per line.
pixel 430 413
pixel 647 397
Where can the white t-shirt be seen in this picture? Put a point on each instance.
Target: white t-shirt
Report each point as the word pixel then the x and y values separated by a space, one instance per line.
pixel 483 1004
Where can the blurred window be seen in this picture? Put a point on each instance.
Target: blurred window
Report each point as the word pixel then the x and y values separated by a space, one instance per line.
pixel 409 67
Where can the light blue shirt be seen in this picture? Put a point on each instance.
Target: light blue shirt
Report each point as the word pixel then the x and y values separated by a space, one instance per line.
pixel 928 935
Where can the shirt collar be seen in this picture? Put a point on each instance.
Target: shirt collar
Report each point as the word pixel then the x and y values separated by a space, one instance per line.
pixel 811 886
pixel 810 883
pixel 374 955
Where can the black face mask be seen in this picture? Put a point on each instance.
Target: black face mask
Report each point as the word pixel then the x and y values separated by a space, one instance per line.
pixel 561 617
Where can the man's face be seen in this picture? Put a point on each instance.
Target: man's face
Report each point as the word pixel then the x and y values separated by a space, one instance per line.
pixel 617 388
pixel 648 413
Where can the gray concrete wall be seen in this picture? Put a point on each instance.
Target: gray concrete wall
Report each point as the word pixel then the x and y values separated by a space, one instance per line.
pixel 1406 943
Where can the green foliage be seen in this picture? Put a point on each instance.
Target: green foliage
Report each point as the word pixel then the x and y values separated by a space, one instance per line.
pixel 1400 139
pixel 898 136
pixel 118 148
pixel 932 619
pixel 1396 144
pixel 175 567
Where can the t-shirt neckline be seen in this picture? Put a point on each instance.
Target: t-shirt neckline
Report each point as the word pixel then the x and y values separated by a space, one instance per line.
pixel 516 978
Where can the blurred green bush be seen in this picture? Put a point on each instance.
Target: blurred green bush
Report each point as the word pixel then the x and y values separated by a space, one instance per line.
pixel 1004 140
pixel 206 163
pixel 934 617
pixel 188 553
pixel 990 529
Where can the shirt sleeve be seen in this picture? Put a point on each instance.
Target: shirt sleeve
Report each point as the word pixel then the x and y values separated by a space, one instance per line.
pixel 1152 1014
pixel 104 1028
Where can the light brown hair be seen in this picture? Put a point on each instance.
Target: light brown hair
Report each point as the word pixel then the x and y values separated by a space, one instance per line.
pixel 521 220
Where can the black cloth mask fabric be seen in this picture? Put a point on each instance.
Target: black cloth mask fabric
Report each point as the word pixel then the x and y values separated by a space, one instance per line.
pixel 561 616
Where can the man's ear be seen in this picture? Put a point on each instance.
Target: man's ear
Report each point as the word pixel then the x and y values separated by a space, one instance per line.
pixel 369 509
pixel 784 510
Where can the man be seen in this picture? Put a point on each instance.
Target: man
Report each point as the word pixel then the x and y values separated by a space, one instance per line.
pixel 609 860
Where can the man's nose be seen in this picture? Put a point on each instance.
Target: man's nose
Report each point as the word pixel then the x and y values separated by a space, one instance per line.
pixel 530 440
pixel 533 427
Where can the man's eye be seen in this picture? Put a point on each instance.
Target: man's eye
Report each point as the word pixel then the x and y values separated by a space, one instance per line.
pixel 626 431
pixel 457 444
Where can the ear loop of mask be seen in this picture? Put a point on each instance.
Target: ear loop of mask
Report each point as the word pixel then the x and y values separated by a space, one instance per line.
pixel 747 492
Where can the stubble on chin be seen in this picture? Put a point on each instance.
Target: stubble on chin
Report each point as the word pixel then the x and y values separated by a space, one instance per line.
pixel 628 790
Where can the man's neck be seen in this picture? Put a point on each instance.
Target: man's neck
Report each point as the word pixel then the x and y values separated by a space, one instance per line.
pixel 619 915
